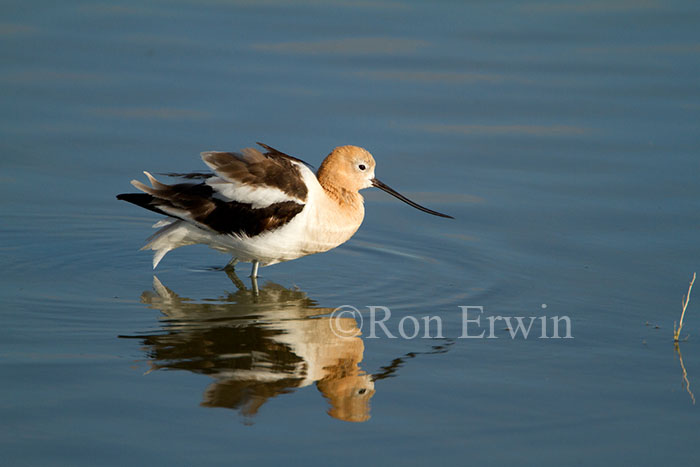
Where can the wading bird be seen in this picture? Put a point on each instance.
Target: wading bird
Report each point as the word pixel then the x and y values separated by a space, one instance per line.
pixel 262 207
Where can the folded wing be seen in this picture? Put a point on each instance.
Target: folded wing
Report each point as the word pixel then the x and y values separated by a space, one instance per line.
pixel 249 193
pixel 256 178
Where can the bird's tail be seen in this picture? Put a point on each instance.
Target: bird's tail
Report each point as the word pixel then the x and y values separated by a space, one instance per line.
pixel 173 234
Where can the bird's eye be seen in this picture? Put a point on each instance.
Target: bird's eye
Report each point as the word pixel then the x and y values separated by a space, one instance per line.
pixel 361 167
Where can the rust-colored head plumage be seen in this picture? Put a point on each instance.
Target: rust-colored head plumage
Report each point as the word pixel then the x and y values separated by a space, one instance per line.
pixel 348 168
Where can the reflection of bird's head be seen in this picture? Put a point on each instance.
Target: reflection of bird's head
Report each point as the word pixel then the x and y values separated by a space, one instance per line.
pixel 349 396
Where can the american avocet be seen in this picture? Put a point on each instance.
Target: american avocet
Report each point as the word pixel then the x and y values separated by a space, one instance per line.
pixel 263 208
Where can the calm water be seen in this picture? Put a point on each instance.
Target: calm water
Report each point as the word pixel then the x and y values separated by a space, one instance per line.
pixel 563 137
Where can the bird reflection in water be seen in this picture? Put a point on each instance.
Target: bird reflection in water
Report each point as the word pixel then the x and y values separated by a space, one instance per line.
pixel 258 344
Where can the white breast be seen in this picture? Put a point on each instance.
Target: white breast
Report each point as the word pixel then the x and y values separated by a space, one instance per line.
pixel 320 226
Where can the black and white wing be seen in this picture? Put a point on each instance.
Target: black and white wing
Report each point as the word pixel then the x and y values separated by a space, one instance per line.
pixel 248 193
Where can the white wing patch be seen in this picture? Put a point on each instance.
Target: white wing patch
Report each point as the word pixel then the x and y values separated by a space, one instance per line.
pixel 258 196
pixel 163 222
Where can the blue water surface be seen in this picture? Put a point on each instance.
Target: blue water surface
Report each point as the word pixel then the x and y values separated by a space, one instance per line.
pixel 562 136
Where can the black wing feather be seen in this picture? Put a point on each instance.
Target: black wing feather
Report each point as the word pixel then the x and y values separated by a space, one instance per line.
pixel 225 217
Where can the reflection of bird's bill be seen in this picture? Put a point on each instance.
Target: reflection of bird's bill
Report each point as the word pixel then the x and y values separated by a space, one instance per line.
pixel 382 186
pixel 390 370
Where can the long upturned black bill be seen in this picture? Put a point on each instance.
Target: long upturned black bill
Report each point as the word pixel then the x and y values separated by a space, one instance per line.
pixel 376 183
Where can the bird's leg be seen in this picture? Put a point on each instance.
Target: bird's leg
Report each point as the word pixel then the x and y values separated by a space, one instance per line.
pixel 231 264
pixel 254 273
